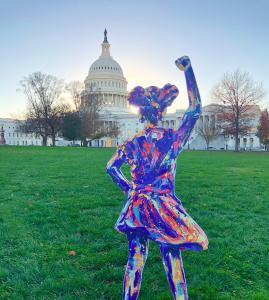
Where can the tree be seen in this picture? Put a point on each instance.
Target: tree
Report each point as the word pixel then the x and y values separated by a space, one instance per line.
pixel 71 126
pixel 112 129
pixel 208 130
pixel 237 93
pixel 89 112
pixel 88 104
pixel 55 121
pixel 42 92
pixel 75 88
pixel 263 129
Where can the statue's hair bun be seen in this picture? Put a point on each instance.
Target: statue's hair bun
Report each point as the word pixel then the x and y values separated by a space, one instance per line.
pixel 152 101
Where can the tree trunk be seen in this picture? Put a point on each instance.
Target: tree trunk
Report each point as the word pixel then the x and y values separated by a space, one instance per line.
pixel 84 143
pixel 44 140
pixel 53 139
pixel 236 148
pixel 236 129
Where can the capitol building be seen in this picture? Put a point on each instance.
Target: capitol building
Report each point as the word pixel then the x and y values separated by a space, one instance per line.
pixel 105 81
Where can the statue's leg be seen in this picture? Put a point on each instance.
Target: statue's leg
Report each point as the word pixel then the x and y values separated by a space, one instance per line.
pixel 138 252
pixel 173 265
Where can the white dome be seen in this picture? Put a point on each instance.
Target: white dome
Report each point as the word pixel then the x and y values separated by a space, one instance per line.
pixel 105 74
pixel 106 80
pixel 105 65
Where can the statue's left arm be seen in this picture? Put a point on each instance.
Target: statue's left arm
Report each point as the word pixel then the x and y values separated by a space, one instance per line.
pixel 195 108
pixel 113 169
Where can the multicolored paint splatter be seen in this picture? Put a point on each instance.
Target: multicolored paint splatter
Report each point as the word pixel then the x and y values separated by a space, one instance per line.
pixel 152 210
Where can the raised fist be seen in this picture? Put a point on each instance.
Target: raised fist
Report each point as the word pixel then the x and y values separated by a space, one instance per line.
pixel 183 63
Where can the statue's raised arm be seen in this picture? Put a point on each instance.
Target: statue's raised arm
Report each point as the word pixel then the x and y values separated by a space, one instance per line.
pixel 194 110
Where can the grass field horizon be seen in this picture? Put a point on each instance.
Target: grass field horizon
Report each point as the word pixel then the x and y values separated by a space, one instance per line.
pixel 57 214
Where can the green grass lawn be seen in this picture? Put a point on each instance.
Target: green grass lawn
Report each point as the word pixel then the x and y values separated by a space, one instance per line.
pixel 53 201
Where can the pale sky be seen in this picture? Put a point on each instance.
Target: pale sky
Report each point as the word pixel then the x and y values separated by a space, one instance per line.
pixel 63 38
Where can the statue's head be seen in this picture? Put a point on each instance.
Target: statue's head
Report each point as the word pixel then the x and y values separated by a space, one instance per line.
pixel 152 101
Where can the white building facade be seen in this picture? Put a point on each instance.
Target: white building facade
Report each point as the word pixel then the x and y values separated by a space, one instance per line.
pixel 248 141
pixel 14 136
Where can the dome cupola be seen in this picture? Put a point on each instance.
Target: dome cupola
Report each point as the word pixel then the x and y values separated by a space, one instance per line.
pixel 105 64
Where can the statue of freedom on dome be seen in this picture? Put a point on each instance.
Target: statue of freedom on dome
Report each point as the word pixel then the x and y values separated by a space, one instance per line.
pixel 105 36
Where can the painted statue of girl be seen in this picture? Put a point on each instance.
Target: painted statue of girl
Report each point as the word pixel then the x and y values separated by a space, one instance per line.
pixel 152 210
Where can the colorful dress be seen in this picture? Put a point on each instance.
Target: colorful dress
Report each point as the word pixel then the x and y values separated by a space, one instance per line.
pixel 152 207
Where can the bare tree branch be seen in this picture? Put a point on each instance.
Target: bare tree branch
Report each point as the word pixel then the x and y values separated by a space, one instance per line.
pixel 238 95
pixel 75 88
pixel 208 129
pixel 43 108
